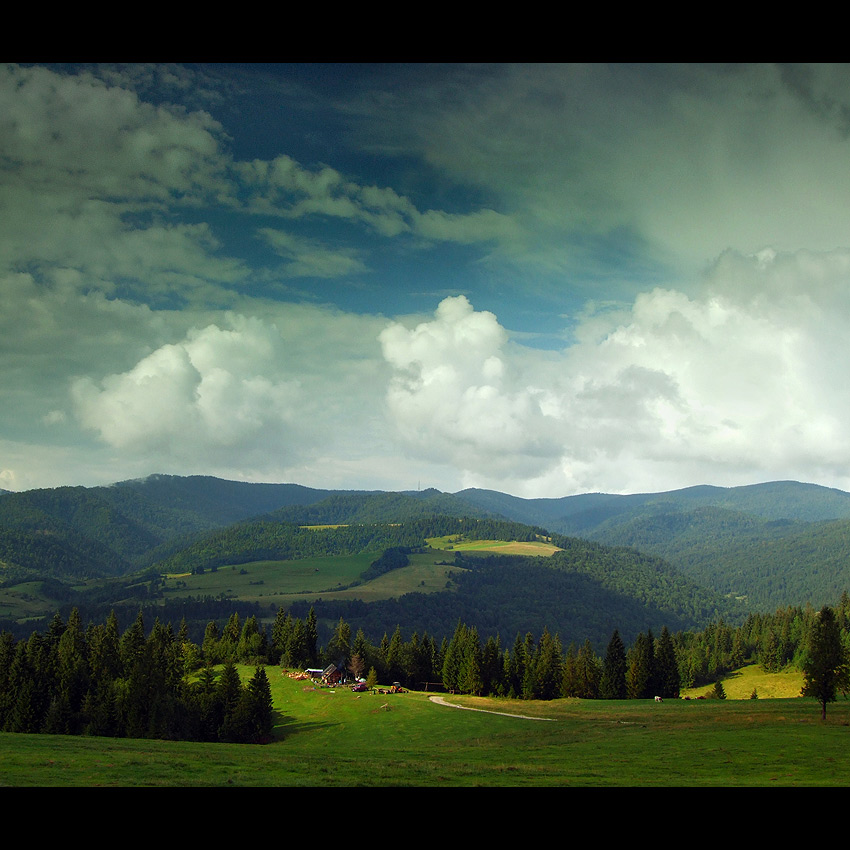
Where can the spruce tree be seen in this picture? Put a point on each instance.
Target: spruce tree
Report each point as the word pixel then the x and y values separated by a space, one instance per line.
pixel 132 645
pixel 209 647
pixel 637 673
pixel 311 631
pixel 589 671
pixel 395 670
pixel 826 669
pixel 453 658
pixel 228 697
pixel 570 684
pixel 470 679
pixel 613 682
pixel 260 696
pixel 548 664
pixel 667 666
pixel 492 667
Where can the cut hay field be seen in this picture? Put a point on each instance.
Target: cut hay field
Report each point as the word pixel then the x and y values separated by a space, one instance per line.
pixel 740 684
pixel 335 738
pixel 494 547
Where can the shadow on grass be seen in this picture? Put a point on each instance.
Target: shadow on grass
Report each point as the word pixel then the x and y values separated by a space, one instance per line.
pixel 285 727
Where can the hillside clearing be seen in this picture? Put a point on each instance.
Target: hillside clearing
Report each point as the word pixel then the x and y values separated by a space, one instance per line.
pixel 494 547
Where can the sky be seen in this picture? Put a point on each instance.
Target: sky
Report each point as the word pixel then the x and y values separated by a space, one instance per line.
pixel 541 279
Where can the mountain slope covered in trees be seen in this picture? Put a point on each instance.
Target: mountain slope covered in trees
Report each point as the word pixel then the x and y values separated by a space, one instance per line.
pixel 773 544
pixel 769 544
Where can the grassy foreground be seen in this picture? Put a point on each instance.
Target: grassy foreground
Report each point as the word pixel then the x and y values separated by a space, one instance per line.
pixel 335 738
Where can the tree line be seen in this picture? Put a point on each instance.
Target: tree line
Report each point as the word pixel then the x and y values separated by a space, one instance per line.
pixel 98 680
pixel 72 680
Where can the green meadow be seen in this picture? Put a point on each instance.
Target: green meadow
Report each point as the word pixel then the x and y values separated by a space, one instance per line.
pixel 332 577
pixel 337 576
pixel 282 582
pixel 336 738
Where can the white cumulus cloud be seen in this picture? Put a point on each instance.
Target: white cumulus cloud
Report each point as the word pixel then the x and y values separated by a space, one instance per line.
pixel 217 388
pixel 744 381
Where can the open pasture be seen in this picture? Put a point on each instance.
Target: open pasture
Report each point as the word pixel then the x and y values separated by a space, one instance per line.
pixel 740 684
pixel 261 579
pixel 335 738
pixel 493 547
pixel 283 582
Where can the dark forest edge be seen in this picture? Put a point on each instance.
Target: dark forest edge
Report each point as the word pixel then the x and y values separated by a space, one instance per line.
pixel 97 680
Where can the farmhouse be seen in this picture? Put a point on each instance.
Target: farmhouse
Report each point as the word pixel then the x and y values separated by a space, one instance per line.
pixel 334 674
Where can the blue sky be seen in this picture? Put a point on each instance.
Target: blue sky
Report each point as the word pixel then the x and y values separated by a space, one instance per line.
pixel 543 279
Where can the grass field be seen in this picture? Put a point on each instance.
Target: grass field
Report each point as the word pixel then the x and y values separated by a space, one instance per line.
pixel 335 738
pixel 740 684
pixel 280 583
pixel 283 582
pixel 493 547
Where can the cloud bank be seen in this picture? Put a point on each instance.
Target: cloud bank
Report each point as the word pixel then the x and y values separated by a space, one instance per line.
pixel 741 382
pixel 542 279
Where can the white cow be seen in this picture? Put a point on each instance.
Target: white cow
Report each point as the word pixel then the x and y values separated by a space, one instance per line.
pixel 658 699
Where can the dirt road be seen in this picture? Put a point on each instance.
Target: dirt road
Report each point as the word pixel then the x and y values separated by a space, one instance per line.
pixel 441 701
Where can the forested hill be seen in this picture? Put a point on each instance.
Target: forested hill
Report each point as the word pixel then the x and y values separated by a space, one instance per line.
pixel 773 544
pixel 207 501
pixel 352 508
pixel 265 539
pixel 582 592
pixel 98 531
pixel 775 500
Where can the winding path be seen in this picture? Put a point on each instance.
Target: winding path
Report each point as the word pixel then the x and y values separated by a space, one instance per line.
pixel 441 701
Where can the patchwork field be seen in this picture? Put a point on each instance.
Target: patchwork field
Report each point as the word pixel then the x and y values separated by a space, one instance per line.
pixel 282 582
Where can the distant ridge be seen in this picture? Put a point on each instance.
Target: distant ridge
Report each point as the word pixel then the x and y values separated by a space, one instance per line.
pixel 756 547
pixel 772 500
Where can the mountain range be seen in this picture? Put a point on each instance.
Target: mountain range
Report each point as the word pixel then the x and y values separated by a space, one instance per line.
pixel 763 546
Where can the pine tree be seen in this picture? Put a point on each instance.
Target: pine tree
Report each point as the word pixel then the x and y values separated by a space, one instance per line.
pixel 470 679
pixel 230 638
pixel 249 649
pixel 589 671
pixel 261 708
pixel 492 667
pixel 73 673
pixel 311 631
pixel 515 664
pixel 570 683
pixel 638 672
pixel 667 666
pixel 296 652
pixel 228 697
pixel 339 646
pixel 209 647
pixel 453 658
pixel 8 646
pixel 132 644
pixel 395 670
pixel 280 634
pixel 826 669
pixel 613 683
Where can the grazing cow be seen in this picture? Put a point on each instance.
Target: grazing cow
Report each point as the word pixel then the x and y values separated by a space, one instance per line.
pixel 658 699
